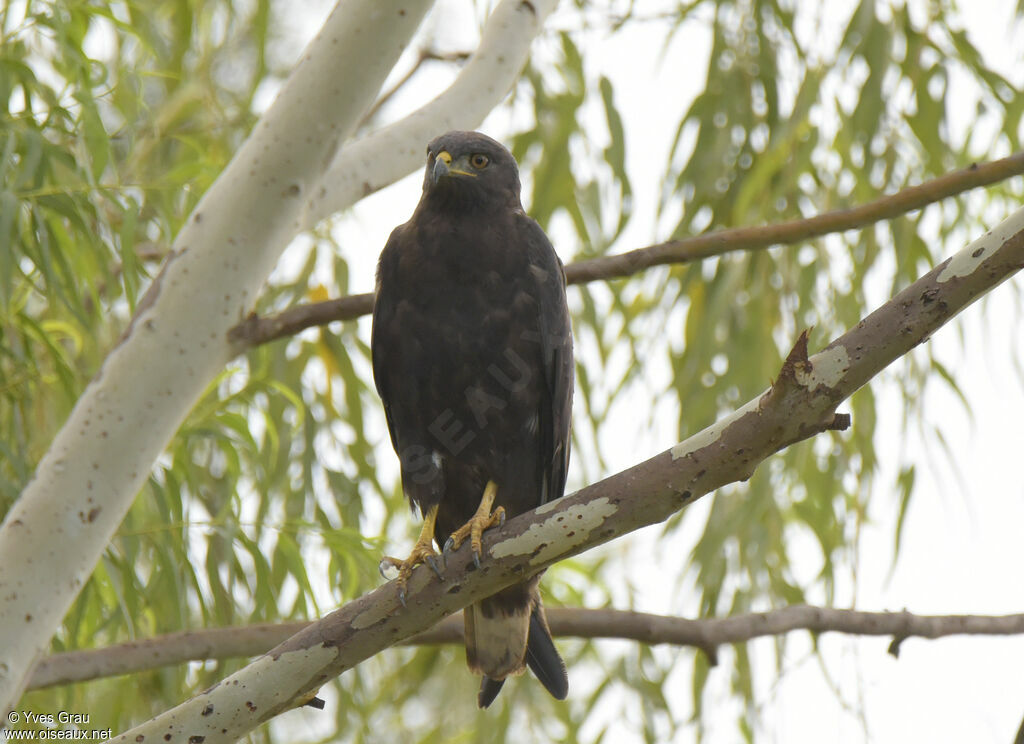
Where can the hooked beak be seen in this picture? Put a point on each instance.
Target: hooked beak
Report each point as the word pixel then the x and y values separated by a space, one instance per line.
pixel 444 167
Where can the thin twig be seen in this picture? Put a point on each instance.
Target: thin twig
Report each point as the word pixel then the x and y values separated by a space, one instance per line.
pixel 706 634
pixel 256 330
pixel 426 55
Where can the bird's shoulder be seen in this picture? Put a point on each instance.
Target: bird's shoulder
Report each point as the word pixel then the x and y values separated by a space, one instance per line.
pixel 540 253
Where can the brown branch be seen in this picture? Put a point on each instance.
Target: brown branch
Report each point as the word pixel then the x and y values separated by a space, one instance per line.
pixel 256 330
pixel 801 403
pixel 706 634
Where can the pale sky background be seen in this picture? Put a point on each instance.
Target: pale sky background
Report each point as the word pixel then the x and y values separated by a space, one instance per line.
pixel 963 548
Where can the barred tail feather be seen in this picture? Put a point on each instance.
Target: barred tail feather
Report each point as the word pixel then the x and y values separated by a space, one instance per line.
pixel 496 639
pixel 503 637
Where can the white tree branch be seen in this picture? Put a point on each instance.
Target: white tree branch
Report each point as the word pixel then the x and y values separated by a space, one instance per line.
pixel 800 403
pixel 388 154
pixel 565 622
pixel 54 534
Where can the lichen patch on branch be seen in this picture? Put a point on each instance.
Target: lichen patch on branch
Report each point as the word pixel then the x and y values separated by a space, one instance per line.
pixel 552 536
pixel 709 435
pixel 826 368
pixel 546 507
pixel 964 262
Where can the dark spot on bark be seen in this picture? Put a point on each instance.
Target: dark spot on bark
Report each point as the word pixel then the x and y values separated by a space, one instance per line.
pixel 570 534
pixel 208 710
pixel 140 737
pixel 167 737
pixel 454 589
pixel 198 217
pixel 196 739
pixel 250 706
pixel 977 253
pixel 401 12
pixel 28 618
pixel 529 6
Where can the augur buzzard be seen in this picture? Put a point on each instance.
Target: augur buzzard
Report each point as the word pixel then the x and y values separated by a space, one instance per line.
pixel 472 357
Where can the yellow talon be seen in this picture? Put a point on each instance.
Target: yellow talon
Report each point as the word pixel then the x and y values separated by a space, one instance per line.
pixel 482 520
pixel 422 552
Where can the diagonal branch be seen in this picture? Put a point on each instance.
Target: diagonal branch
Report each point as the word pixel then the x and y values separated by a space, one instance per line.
pixel 256 330
pixel 799 404
pixel 704 633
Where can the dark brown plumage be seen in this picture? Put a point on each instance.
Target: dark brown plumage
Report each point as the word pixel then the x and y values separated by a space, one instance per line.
pixel 472 357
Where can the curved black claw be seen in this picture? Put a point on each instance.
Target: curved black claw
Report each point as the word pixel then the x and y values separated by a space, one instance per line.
pixel 476 559
pixel 431 560
pixel 401 594
pixel 501 516
pixel 449 546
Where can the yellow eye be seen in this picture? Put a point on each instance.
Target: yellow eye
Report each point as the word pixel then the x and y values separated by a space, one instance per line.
pixel 479 161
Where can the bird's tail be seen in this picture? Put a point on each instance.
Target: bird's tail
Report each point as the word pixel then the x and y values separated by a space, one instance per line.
pixel 505 633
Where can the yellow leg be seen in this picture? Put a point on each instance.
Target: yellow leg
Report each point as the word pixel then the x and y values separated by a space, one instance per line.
pixel 482 520
pixel 422 552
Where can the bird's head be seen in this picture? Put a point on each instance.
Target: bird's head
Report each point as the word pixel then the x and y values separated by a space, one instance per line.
pixel 470 171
